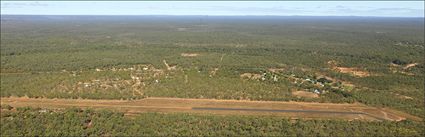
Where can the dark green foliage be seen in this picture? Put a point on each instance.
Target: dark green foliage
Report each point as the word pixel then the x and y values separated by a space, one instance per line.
pixel 36 49
pixel 324 80
pixel 399 62
pixel 7 107
pixel 76 122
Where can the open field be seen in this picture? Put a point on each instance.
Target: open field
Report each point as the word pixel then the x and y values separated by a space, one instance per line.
pixel 232 107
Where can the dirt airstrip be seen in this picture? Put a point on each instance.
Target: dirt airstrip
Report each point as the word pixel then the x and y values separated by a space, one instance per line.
pixel 222 107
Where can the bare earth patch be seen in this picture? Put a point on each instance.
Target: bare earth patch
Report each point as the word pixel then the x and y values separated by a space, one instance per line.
pixel 189 54
pixel 252 76
pixel 410 65
pixel 353 71
pixel 394 68
pixel 305 94
pixel 213 72
pixel 169 67
pixel 406 97
pixel 348 84
pixel 275 70
pixel 403 96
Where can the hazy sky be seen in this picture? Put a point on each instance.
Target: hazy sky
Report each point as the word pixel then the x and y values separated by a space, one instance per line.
pixel 301 8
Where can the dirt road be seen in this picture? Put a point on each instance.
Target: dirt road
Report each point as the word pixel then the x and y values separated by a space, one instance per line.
pixel 222 107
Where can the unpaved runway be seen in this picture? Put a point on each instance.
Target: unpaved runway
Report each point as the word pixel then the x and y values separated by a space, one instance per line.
pixel 222 107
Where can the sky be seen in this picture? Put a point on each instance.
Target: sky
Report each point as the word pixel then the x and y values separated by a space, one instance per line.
pixel 217 8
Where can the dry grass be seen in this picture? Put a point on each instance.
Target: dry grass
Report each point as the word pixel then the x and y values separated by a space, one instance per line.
pixel 305 94
pixel 275 70
pixel 252 76
pixel 189 54
pixel 182 29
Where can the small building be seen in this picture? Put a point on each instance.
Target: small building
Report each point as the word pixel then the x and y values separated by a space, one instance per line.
pixel 275 78
pixel 317 91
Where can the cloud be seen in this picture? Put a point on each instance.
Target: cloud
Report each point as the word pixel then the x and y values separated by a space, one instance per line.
pixel 340 7
pixel 398 11
pixel 395 9
pixel 22 4
pixel 216 8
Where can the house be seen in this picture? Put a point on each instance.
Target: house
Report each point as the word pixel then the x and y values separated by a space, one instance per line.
pixel 317 91
pixel 275 78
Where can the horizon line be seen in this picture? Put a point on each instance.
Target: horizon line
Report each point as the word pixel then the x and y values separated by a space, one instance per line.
pixel 206 15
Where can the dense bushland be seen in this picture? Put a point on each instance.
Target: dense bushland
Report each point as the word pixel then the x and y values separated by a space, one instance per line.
pixel 54 56
pixel 77 122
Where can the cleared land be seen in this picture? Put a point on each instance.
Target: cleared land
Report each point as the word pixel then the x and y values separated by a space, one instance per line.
pixel 233 107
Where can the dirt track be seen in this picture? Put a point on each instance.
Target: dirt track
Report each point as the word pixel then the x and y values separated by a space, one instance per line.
pixel 222 107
